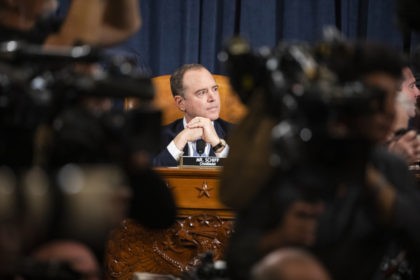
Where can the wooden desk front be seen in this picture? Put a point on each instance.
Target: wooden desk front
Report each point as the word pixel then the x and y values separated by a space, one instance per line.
pixel 204 224
pixel 196 190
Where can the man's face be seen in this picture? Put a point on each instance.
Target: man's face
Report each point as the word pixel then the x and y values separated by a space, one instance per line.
pixel 401 117
pixel 377 125
pixel 409 88
pixel 201 95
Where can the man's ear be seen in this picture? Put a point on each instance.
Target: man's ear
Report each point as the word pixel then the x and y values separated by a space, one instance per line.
pixel 179 101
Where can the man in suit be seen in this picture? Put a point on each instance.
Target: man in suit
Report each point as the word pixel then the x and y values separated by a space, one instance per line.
pixel 197 95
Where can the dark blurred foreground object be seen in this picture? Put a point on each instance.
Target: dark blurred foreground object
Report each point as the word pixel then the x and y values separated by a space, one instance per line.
pixel 319 149
pixel 61 89
pixel 50 270
pixel 408 15
pixel 61 260
pixel 92 162
pixel 294 102
pixel 208 269
pixel 79 202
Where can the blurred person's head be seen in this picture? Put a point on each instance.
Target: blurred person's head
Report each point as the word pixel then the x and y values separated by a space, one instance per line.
pixel 196 92
pixel 78 256
pixel 415 64
pixel 289 264
pixel 409 88
pixel 402 108
pixel 399 125
pixel 379 69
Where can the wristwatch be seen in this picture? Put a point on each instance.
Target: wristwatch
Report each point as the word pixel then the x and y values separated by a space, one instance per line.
pixel 220 146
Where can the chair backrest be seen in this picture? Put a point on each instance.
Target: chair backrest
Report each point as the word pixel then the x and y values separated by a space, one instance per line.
pixel 232 109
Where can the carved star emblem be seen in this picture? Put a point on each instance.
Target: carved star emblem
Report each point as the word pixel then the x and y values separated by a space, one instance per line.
pixel 204 190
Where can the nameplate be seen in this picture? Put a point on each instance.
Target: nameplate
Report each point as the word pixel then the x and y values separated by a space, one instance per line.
pixel 202 161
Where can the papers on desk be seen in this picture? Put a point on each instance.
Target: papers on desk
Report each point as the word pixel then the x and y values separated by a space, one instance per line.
pixel 202 161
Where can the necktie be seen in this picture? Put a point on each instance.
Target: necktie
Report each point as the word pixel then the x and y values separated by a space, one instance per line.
pixel 200 145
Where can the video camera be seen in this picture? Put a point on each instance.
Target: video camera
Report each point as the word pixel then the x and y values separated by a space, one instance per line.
pixel 308 101
pixel 68 147
pixel 40 86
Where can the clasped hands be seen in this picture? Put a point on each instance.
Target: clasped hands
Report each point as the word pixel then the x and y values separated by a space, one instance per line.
pixel 197 128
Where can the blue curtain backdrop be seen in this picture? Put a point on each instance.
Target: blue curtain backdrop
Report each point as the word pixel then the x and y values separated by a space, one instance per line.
pixel 186 31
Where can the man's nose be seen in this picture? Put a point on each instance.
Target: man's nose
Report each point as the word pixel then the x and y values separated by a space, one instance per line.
pixel 211 95
pixel 417 92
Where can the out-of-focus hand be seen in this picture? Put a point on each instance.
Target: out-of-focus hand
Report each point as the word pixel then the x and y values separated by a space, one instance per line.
pixel 407 146
pixel 299 226
pixel 382 192
pixel 98 23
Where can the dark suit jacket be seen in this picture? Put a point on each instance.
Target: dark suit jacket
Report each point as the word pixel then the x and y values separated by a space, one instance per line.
pixel 170 131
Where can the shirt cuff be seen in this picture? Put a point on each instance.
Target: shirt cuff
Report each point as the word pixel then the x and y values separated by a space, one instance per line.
pixel 223 153
pixel 174 151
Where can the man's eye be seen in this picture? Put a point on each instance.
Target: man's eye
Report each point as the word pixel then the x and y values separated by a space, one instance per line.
pixel 216 88
pixel 200 93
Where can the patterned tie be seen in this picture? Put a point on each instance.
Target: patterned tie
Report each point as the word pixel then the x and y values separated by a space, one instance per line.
pixel 200 145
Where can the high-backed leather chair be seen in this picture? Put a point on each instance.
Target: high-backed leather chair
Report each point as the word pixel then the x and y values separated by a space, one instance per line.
pixel 232 109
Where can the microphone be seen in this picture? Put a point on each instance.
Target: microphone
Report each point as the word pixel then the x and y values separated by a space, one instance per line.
pixel 200 145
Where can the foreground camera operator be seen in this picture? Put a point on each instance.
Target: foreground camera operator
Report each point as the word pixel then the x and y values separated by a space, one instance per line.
pixel 95 161
pixel 96 22
pixel 353 220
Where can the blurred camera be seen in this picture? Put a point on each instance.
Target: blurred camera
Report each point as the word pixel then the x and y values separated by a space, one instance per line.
pixel 67 148
pixel 207 269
